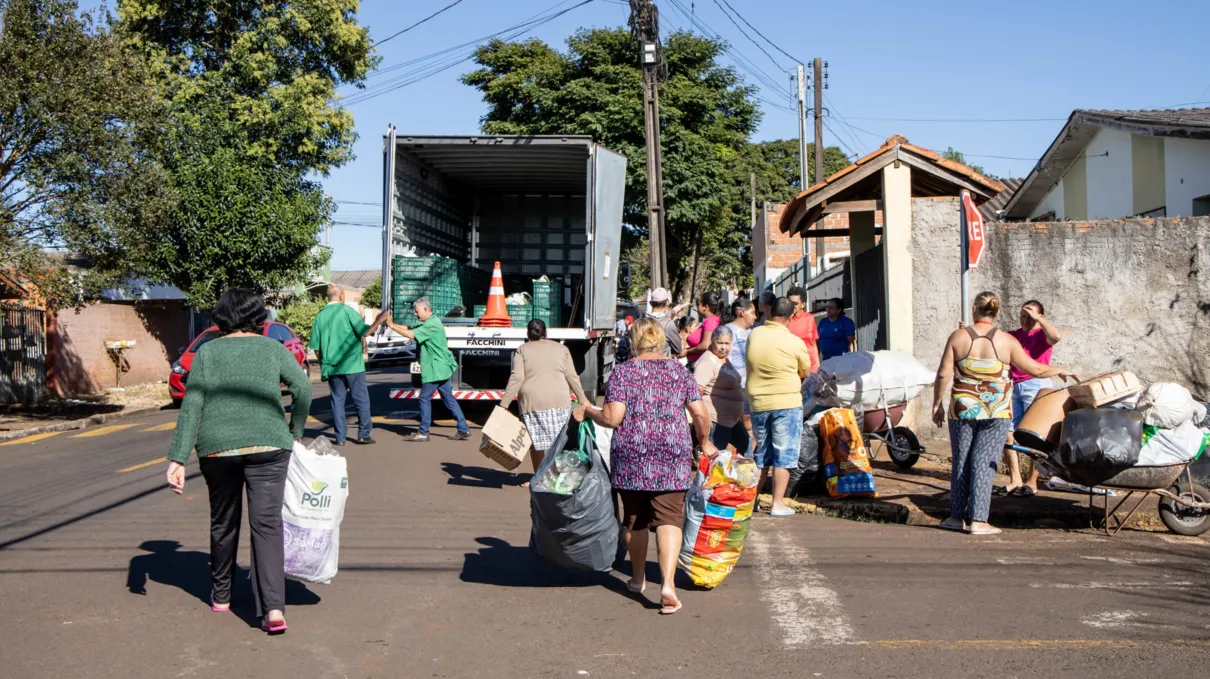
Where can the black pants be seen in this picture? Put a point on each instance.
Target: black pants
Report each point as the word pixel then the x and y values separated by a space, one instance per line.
pixel 264 474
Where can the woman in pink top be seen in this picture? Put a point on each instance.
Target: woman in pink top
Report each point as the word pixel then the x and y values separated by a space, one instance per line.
pixel 1038 338
pixel 698 341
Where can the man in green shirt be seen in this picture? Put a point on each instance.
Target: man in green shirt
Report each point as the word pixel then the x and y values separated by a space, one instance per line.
pixel 336 338
pixel 437 366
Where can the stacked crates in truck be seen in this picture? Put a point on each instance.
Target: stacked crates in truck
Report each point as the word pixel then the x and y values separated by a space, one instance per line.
pixel 548 302
pixel 445 282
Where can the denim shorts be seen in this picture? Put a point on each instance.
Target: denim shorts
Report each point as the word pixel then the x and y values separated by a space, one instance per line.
pixel 777 434
pixel 1024 394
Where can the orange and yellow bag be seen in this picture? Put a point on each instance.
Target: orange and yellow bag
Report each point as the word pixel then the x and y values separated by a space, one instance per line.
pixel 846 461
pixel 718 512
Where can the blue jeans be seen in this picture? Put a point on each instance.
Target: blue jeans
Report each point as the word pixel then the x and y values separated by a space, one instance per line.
pixel 1024 394
pixel 777 434
pixel 340 386
pixel 735 435
pixel 446 390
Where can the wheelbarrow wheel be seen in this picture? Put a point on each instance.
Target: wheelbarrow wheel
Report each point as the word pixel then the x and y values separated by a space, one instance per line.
pixel 909 447
pixel 1184 520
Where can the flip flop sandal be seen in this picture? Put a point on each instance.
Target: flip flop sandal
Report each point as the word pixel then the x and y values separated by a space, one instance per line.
pixel 950 524
pixel 782 512
pixel 273 627
pixel 669 610
pixel 1001 491
pixel 1023 491
pixel 636 590
pixel 989 530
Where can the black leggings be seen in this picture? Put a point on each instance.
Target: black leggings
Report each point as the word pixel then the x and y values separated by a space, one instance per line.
pixel 264 474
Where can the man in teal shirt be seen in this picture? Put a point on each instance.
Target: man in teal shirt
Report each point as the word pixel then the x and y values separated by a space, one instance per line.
pixel 336 338
pixel 437 366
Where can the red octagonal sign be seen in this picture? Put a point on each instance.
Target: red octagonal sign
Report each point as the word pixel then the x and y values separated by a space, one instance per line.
pixel 972 221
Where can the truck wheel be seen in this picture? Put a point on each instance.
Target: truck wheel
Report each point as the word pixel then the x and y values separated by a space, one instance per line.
pixel 1184 520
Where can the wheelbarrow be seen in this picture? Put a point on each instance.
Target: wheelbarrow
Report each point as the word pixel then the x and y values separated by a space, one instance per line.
pixel 882 424
pixel 1184 505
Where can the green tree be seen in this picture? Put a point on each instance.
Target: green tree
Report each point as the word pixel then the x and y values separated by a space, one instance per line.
pixel 250 86
pixel 957 157
pixel 79 125
pixel 300 316
pixel 595 88
pixel 372 295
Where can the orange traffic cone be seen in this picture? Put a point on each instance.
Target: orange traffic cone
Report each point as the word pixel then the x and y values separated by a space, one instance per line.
pixel 496 315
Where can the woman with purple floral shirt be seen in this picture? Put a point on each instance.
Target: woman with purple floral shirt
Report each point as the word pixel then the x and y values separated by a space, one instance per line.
pixel 651 456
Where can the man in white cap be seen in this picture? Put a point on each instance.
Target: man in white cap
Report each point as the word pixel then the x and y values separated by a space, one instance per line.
pixel 660 301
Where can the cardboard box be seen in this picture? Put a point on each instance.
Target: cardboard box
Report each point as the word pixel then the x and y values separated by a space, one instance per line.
pixel 1103 389
pixel 505 439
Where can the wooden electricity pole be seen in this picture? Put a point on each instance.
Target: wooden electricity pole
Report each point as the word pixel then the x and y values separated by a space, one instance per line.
pixel 644 25
pixel 819 171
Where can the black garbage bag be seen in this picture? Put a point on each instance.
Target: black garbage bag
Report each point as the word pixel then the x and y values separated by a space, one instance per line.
pixel 579 530
pixel 1097 443
pixel 805 478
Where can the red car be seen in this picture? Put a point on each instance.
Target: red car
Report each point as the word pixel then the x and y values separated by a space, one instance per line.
pixel 278 331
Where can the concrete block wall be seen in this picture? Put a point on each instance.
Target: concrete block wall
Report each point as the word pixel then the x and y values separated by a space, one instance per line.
pixel 1128 294
pixel 81 364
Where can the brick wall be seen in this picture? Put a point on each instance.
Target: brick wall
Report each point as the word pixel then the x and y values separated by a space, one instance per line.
pixel 81 365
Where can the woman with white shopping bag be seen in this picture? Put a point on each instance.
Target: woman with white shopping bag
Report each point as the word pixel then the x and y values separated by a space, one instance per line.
pixel 233 416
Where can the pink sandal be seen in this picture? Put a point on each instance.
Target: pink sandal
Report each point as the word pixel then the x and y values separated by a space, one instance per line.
pixel 273 627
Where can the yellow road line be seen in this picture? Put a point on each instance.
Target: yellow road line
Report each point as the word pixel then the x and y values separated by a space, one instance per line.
pixel 1022 644
pixel 101 431
pixel 151 463
pixel 167 426
pixel 31 438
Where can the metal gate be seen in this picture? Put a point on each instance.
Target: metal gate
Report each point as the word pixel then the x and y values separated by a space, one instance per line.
pixel 22 354
pixel 869 299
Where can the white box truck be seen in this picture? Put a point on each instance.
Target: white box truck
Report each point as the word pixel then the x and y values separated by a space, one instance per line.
pixel 541 206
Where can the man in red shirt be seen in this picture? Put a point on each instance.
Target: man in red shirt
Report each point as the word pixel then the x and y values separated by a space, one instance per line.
pixel 802 324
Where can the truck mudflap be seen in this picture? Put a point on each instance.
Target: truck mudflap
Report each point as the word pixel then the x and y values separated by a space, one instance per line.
pixel 459 394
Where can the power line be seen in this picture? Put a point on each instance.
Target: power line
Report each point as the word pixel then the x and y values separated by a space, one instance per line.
pixel 962 120
pixel 851 152
pixel 354 202
pixel 399 33
pixel 792 58
pixel 740 58
pixel 428 71
pixel 745 34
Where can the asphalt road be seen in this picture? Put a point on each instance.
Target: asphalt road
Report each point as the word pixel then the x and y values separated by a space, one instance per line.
pixel 436 581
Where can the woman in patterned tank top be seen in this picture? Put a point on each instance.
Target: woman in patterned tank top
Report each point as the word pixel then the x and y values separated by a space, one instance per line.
pixel 977 359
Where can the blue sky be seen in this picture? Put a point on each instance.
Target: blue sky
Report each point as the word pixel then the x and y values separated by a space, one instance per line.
pixel 892 65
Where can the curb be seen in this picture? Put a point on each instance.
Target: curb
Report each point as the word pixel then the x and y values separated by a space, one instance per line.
pixel 911 515
pixel 78 424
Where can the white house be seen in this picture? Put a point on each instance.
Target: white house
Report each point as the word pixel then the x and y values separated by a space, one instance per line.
pixel 1111 164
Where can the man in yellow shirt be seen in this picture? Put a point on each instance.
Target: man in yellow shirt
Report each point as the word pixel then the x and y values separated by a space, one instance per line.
pixel 777 363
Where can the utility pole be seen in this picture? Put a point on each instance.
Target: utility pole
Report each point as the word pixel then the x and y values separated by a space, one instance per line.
pixel 819 171
pixel 644 26
pixel 803 180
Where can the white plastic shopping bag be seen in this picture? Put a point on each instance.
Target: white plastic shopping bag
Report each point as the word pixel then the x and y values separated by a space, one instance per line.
pixel 317 487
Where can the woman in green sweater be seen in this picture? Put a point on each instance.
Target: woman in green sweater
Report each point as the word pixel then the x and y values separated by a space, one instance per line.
pixel 233 416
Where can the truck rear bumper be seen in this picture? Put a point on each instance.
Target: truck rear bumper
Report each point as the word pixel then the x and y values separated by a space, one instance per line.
pixel 459 394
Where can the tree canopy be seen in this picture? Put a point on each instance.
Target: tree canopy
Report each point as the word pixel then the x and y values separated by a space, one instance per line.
pixel 707 116
pixel 250 87
pixel 957 157
pixel 80 126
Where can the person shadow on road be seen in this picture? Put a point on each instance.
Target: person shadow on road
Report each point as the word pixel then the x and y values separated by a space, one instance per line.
pixel 189 571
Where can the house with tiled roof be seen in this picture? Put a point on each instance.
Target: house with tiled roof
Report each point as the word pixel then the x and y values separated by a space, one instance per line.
pixel 1113 164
